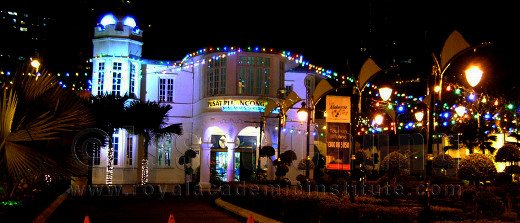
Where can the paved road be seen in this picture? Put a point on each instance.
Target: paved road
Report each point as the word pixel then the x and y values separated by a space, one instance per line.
pixel 142 208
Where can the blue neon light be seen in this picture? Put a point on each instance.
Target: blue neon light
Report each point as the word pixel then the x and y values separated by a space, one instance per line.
pixel 231 108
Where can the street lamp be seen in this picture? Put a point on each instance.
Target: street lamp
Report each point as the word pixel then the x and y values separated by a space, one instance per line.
pixel 303 114
pixel 473 75
pixel 419 116
pixel 385 93
pixel 460 110
pixel 379 119
pixel 35 64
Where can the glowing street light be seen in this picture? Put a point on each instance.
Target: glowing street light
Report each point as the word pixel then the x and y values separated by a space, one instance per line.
pixel 385 93
pixel 473 75
pixel 379 119
pixel 35 64
pixel 460 110
pixel 303 114
pixel 419 116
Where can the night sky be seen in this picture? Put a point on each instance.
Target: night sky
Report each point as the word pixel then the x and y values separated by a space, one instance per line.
pixel 326 33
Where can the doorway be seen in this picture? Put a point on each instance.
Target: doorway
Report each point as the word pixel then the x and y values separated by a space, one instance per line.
pixel 245 158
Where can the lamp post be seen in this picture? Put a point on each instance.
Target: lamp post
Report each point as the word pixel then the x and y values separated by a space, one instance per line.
pixel 304 114
pixel 454 47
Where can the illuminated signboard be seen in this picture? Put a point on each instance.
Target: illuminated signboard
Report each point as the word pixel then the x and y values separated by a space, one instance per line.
pixel 241 105
pixel 338 133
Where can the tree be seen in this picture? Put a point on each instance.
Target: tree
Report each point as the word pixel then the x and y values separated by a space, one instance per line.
pixel 444 161
pixel 33 111
pixel 149 120
pixel 508 153
pixel 109 113
pixel 395 163
pixel 472 137
pixel 477 167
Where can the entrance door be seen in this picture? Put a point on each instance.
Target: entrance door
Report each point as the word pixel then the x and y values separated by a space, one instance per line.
pixel 245 165
pixel 245 158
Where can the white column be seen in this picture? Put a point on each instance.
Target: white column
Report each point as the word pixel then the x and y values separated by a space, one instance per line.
pixel 231 161
pixel 205 153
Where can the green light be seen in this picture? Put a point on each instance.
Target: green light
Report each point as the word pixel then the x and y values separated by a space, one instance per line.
pixel 457 91
pixel 510 106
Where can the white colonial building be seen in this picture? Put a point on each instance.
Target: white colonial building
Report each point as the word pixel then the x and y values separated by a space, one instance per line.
pixel 218 94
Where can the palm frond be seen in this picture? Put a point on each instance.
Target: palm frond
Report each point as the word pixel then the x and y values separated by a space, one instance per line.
pixel 34 110
pixel 7 112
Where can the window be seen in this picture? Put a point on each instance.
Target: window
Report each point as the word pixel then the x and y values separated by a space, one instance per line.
pixel 96 153
pixel 115 150
pixel 288 90
pixel 250 80
pixel 166 90
pixel 116 78
pixel 254 75
pixel 241 80
pixel 129 150
pixel 267 80
pixel 216 73
pixel 101 77
pixel 164 145
pixel 131 91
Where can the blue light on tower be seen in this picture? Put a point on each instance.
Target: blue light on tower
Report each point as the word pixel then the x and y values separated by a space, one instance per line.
pixel 129 21
pixel 108 19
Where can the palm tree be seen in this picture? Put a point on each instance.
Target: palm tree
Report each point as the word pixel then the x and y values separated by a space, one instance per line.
pixel 108 110
pixel 472 137
pixel 149 120
pixel 33 111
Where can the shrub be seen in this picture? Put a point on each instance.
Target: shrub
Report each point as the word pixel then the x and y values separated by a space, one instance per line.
pixel 439 213
pixel 444 161
pixel 300 206
pixel 477 167
pixel 514 169
pixel 302 165
pixel 267 151
pixel 395 162
pixel 489 204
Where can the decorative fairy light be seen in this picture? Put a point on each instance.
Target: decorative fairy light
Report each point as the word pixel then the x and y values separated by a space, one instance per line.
pixel 110 169
pixel 144 172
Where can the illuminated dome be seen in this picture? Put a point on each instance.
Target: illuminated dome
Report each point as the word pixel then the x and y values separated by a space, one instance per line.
pixel 111 19
pixel 108 19
pixel 129 21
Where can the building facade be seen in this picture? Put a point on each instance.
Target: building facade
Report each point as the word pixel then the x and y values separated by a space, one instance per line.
pixel 219 96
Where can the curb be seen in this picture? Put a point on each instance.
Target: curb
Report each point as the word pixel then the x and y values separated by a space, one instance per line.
pixel 243 212
pixel 52 207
